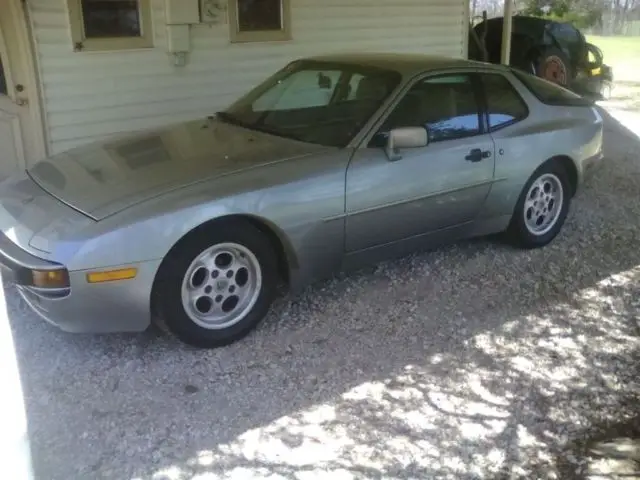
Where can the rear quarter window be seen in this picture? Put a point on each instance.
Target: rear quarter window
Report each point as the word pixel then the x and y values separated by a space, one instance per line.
pixel 550 93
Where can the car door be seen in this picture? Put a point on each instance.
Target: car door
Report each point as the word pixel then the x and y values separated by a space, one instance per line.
pixel 438 186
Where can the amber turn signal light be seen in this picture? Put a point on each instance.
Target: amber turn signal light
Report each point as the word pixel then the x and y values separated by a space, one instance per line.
pixel 50 278
pixel 112 275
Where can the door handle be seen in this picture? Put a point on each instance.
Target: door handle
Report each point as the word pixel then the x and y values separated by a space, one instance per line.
pixel 477 155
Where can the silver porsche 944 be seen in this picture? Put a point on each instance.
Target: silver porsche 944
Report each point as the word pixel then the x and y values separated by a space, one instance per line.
pixel 331 163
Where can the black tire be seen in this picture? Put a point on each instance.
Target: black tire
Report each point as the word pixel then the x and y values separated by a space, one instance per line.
pixel 166 300
pixel 518 232
pixel 552 56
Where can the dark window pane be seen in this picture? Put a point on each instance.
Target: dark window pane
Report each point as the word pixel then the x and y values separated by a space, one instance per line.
pixel 447 106
pixel 504 105
pixel 3 81
pixel 259 15
pixel 111 18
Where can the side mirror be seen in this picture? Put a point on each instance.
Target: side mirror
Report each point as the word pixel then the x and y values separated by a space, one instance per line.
pixel 406 137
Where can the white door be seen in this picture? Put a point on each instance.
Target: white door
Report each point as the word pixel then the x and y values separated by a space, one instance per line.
pixel 11 119
pixel 21 143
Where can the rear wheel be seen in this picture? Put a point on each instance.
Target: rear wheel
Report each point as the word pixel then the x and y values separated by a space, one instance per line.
pixel 216 285
pixel 553 65
pixel 542 207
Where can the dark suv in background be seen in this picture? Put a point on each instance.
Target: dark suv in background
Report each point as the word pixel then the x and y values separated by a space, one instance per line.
pixel 552 50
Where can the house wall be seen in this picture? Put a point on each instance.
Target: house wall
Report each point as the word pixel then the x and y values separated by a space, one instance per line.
pixel 90 95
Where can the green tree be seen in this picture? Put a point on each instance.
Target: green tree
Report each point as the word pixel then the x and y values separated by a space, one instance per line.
pixel 580 13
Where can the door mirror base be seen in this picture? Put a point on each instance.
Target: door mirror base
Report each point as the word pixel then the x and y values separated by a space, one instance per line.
pixel 405 137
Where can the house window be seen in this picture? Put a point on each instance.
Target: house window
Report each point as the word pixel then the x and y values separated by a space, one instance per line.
pixel 259 20
pixel 110 24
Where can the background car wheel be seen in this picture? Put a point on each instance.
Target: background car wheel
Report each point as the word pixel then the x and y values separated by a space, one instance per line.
pixel 542 207
pixel 216 285
pixel 554 66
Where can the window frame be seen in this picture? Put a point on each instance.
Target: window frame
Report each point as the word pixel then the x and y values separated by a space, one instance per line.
pixel 478 95
pixel 485 102
pixel 81 43
pixel 257 36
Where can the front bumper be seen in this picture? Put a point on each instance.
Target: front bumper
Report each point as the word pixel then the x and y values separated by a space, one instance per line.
pixel 119 306
pixel 18 263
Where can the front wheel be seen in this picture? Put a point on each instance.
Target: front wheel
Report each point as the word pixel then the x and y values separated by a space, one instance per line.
pixel 216 285
pixel 542 207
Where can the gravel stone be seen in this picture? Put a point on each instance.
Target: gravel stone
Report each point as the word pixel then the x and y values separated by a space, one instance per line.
pixel 473 361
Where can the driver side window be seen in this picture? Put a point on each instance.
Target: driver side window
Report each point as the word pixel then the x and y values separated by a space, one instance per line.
pixel 446 105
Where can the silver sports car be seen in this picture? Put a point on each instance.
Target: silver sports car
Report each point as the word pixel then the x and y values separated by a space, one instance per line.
pixel 331 163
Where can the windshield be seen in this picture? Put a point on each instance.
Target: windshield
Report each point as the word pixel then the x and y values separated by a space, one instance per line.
pixel 316 102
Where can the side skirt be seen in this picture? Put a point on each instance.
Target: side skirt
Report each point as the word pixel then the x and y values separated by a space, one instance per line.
pixel 425 242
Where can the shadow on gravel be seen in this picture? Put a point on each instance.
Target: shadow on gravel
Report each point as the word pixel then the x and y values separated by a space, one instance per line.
pixel 473 361
pixel 610 450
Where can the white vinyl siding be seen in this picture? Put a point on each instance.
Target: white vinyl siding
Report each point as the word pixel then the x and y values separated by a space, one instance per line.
pixel 91 95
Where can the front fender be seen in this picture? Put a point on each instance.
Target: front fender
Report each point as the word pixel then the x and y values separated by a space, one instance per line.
pixel 303 204
pixel 143 233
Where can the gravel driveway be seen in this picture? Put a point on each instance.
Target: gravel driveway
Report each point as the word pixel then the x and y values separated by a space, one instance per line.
pixel 473 361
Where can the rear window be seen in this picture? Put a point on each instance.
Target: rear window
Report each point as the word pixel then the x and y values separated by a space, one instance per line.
pixel 550 93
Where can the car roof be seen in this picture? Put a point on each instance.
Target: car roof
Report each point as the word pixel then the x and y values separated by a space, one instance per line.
pixel 405 63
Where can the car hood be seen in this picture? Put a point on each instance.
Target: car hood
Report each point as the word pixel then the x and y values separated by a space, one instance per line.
pixel 104 178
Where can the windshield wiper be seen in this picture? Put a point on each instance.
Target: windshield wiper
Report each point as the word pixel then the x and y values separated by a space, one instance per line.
pixel 229 118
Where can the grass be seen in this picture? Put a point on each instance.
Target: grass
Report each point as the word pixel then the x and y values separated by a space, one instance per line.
pixel 622 53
